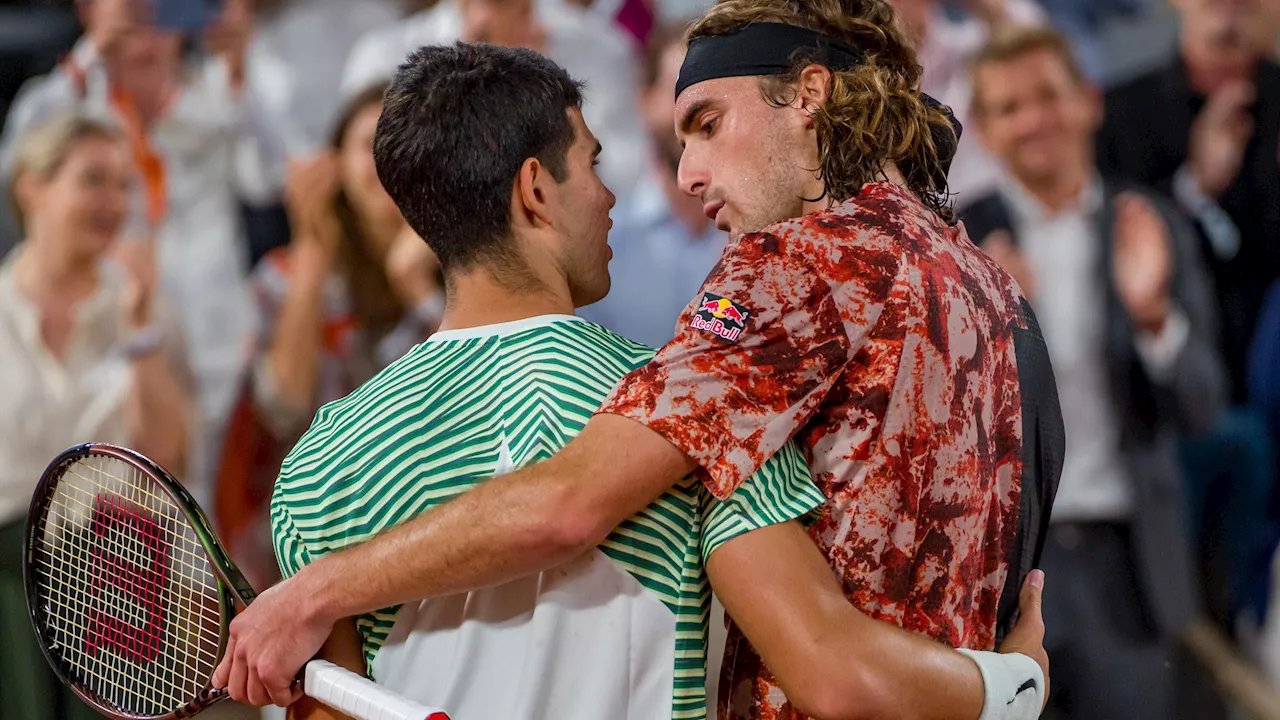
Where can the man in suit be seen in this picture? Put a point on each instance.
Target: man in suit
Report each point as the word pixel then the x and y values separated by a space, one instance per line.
pixel 1127 314
pixel 1205 129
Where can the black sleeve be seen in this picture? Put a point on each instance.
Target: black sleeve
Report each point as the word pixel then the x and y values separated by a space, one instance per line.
pixel 1043 448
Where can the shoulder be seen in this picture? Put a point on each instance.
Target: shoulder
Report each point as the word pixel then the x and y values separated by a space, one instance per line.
pixel 392 407
pixel 578 347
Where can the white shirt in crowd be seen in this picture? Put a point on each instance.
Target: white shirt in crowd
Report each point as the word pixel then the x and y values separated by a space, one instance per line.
pixel 217 147
pixel 1062 252
pixel 297 59
pixel 49 404
pixel 592 49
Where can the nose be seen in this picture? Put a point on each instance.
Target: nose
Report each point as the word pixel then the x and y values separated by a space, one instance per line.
pixel 1032 118
pixel 613 199
pixel 692 175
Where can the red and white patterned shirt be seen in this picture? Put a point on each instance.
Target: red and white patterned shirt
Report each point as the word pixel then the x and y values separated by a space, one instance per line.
pixel 883 340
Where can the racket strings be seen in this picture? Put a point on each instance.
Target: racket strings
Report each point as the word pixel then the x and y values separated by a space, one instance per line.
pixel 132 604
pixel 196 575
pixel 196 566
pixel 100 606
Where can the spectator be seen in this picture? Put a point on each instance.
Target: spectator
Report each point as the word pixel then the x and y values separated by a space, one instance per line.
pixel 1126 310
pixel 591 49
pixel 663 244
pixel 87 353
pixel 297 56
pixel 200 144
pixel 1205 128
pixel 333 313
pixel 944 48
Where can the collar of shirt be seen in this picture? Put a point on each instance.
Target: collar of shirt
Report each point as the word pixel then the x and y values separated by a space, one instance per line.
pixel 95 315
pixel 1027 208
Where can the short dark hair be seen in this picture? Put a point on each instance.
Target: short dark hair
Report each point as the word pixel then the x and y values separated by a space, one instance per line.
pixel 457 123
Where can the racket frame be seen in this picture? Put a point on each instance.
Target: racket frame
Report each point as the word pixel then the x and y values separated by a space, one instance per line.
pixel 234 591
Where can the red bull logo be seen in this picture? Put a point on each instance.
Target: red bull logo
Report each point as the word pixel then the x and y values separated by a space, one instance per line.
pixel 721 316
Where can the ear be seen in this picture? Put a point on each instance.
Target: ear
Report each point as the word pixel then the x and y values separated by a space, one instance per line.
pixel 813 89
pixel 531 197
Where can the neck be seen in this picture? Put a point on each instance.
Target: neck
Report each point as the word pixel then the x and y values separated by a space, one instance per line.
pixel 475 298
pixel 889 172
pixel 1211 64
pixel 687 208
pixel 1060 191
pixel 43 271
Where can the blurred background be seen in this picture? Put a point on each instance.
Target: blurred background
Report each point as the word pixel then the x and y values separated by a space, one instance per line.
pixel 1121 158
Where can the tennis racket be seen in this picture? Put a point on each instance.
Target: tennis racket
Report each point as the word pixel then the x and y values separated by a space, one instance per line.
pixel 132 595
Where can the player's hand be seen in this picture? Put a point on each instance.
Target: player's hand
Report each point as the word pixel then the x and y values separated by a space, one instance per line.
pixel 1219 136
pixel 267 646
pixel 1027 636
pixel 1142 262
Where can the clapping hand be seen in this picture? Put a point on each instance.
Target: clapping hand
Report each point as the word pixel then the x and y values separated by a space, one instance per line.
pixel 1142 262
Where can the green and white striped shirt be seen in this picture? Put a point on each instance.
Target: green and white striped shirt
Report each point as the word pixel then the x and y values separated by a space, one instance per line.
pixel 620 632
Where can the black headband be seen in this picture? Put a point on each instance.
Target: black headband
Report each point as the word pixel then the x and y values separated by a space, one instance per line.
pixel 761 49
pixel 771 49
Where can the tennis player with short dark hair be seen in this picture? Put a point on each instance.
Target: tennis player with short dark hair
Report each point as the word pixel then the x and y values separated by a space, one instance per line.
pixel 847 312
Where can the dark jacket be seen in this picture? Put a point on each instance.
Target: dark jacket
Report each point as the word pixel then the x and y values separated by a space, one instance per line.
pixel 1145 138
pixel 1152 413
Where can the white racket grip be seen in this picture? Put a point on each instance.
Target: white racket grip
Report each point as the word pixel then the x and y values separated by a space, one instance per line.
pixel 360 697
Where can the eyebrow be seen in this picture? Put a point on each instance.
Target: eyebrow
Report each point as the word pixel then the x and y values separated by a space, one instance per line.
pixel 599 149
pixel 696 109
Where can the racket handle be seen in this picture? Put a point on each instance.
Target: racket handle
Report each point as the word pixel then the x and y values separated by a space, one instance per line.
pixel 359 696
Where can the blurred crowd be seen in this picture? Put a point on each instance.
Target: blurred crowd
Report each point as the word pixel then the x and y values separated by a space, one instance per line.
pixel 199 254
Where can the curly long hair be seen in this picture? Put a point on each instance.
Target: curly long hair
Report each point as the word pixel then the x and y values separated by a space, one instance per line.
pixel 875 113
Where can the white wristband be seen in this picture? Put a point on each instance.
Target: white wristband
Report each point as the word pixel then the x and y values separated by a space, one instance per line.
pixel 1014 685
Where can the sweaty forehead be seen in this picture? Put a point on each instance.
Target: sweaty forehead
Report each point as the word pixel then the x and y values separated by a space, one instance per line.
pixel 720 93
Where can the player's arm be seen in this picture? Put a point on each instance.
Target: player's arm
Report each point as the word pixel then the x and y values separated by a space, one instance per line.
pixel 833 661
pixel 531 520
pixel 510 527
pixel 343 648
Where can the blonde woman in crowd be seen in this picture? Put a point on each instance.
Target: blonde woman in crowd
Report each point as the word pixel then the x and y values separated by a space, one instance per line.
pixel 87 353
pixel 201 143
pixel 353 291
